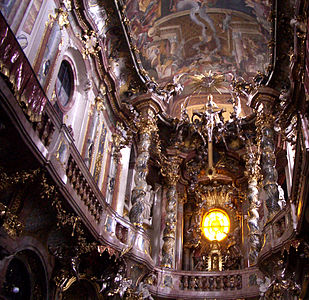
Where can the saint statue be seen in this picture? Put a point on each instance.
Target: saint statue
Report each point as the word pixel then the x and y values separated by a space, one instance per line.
pixel 148 202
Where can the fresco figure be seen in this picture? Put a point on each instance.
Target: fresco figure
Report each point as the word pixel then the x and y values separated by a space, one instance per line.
pixel 200 9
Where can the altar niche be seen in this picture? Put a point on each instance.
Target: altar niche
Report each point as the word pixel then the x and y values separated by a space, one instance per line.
pixel 212 231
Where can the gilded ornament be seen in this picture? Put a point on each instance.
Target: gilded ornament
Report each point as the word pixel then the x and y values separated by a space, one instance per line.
pixel 91 43
pixel 68 219
pixel 67 4
pixel 170 169
pixel 99 103
pixel 121 138
pixel 11 225
pixel 62 18
pixel 146 124
pixel 98 166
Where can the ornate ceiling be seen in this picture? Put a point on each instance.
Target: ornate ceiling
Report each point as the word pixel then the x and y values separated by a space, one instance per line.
pixel 205 47
pixel 195 36
pixel 181 48
pixel 178 39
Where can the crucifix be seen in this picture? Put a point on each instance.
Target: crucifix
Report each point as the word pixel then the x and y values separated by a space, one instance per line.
pixel 210 121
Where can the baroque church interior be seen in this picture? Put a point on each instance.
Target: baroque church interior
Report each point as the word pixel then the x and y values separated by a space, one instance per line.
pixel 154 149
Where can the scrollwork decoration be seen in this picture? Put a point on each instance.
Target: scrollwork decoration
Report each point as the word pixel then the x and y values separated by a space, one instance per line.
pixel 121 138
pixel 91 44
pixel 68 219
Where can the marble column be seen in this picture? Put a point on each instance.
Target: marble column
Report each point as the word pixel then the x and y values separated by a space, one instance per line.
pixel 170 170
pixel 146 126
pixel 253 175
pixel 179 234
pixel 186 258
pixel 263 101
pixel 156 223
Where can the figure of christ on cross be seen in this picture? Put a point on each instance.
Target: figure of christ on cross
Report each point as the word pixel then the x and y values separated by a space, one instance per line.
pixel 209 119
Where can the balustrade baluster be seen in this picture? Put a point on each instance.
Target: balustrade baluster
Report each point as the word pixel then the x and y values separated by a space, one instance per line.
pixel 232 282
pixel 239 282
pixel 185 282
pixel 200 283
pixel 214 283
pixel 211 283
pixel 218 283
pixel 192 283
pixel 206 284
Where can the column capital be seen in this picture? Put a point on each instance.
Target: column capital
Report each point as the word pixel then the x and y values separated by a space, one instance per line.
pixel 147 122
pixel 148 101
pixel 263 95
pixel 170 169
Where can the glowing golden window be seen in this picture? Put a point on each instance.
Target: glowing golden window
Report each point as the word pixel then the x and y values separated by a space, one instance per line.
pixel 216 225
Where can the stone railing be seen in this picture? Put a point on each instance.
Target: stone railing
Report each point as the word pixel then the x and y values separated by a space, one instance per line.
pixel 206 285
pixel 123 235
pixel 277 231
pixel 34 117
pixel 83 188
pixel 212 283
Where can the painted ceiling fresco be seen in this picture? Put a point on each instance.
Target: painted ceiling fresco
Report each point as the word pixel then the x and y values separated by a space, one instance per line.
pixel 179 37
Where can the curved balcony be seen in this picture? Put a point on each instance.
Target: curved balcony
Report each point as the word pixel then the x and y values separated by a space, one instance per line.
pixel 52 144
pixel 277 232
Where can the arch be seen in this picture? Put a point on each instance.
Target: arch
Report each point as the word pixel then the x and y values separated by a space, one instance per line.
pixel 65 85
pixel 17 283
pixel 25 276
pixel 78 63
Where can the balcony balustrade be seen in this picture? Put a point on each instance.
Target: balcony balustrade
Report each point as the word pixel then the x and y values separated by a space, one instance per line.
pixel 234 284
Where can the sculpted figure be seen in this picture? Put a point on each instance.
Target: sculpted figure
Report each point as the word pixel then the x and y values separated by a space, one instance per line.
pixel 148 202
